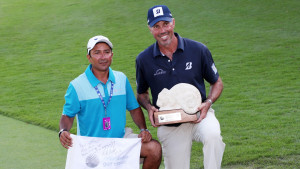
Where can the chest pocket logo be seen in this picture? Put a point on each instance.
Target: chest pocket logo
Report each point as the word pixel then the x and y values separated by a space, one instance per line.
pixel 159 72
pixel 188 65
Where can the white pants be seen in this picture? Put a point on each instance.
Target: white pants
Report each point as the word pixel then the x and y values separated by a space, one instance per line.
pixel 177 143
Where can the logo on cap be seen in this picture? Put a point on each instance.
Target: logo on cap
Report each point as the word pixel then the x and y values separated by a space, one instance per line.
pixel 158 11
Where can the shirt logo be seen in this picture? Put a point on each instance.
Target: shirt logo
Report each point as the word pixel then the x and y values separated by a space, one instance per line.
pixel 159 72
pixel 158 12
pixel 188 65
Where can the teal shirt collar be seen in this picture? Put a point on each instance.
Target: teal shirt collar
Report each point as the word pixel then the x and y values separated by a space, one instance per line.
pixel 92 78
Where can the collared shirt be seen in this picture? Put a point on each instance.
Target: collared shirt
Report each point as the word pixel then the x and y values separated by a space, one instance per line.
pixel 191 63
pixel 83 102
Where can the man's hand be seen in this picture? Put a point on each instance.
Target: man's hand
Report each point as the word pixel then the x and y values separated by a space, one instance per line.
pixel 214 93
pixel 204 107
pixel 144 101
pixel 65 139
pixel 151 111
pixel 65 123
pixel 145 136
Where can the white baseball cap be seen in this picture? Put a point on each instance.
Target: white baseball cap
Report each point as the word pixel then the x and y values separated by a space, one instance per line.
pixel 96 39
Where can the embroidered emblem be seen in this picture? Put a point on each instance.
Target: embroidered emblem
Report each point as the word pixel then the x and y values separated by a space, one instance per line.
pixel 159 72
pixel 188 65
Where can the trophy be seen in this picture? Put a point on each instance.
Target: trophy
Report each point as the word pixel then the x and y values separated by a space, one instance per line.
pixel 178 105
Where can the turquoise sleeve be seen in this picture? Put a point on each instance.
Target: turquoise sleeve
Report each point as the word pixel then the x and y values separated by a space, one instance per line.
pixel 72 105
pixel 131 102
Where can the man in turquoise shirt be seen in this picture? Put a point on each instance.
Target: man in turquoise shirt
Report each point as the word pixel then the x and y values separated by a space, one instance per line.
pixel 99 98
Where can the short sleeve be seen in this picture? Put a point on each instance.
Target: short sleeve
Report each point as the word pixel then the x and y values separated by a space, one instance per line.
pixel 210 72
pixel 72 105
pixel 131 102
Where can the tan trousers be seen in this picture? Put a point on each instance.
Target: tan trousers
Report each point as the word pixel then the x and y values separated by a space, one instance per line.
pixel 177 143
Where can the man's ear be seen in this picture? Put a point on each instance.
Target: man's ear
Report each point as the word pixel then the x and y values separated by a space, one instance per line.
pixel 149 29
pixel 88 56
pixel 173 20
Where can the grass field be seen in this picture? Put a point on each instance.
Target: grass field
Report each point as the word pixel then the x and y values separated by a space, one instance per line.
pixel 255 45
pixel 24 145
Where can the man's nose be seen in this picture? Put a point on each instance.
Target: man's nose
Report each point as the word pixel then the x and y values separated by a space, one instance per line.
pixel 162 30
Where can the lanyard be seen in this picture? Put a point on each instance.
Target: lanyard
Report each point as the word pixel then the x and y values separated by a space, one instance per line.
pixel 101 98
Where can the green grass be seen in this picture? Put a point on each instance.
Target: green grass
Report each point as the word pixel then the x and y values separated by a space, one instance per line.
pixel 24 145
pixel 255 45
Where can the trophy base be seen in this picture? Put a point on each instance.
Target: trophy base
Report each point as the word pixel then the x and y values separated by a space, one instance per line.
pixel 173 116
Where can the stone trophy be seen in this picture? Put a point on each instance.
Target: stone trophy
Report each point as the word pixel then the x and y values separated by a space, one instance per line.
pixel 178 105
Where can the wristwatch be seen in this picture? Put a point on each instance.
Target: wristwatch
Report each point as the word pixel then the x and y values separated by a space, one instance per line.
pixel 144 130
pixel 62 130
pixel 210 101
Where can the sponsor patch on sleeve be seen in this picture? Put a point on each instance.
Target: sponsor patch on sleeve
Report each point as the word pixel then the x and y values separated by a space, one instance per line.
pixel 214 68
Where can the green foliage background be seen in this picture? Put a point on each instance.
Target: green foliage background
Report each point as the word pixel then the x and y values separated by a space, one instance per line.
pixel 255 45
